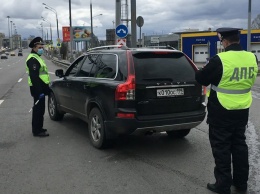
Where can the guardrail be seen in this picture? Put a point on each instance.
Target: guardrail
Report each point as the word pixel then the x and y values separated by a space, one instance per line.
pixel 62 63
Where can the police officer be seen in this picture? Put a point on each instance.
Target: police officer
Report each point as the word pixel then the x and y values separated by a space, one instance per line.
pixel 38 80
pixel 231 75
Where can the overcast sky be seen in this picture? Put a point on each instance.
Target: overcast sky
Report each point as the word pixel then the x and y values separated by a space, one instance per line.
pixel 160 16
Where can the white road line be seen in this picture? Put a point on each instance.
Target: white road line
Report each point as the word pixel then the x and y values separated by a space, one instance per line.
pixel 20 79
pixel 52 73
pixel 1 101
pixel 254 155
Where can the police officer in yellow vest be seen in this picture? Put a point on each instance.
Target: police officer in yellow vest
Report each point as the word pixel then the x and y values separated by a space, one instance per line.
pixel 38 80
pixel 231 75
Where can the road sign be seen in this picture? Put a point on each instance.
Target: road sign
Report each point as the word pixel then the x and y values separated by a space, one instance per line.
pixel 121 41
pixel 155 40
pixel 140 21
pixel 121 31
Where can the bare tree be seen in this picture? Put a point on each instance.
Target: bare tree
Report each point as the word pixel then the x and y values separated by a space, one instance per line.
pixel 256 22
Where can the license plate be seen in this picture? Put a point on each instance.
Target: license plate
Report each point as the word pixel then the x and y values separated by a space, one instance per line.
pixel 170 92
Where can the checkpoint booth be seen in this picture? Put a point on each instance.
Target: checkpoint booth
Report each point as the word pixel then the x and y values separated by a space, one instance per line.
pixel 200 45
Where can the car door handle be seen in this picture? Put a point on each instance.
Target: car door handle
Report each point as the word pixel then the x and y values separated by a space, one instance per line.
pixel 85 86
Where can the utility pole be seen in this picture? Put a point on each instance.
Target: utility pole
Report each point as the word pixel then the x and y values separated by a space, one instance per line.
pixel 71 33
pixel 249 27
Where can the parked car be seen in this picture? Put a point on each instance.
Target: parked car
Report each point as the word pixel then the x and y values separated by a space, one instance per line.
pixel 7 53
pixel 12 53
pixel 20 53
pixel 4 56
pixel 122 90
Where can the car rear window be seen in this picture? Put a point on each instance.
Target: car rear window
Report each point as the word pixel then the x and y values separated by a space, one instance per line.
pixel 159 65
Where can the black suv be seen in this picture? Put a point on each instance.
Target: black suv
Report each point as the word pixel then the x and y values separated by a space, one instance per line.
pixel 118 90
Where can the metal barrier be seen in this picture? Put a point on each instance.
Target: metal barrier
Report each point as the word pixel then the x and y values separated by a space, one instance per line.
pixel 63 63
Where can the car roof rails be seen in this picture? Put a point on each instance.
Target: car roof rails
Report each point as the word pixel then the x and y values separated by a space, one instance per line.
pixel 162 47
pixel 108 47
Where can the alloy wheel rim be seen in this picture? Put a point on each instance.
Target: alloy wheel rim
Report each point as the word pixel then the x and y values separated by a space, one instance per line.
pixel 52 106
pixel 95 128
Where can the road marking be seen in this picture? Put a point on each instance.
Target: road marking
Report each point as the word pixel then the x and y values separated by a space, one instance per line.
pixel 52 73
pixel 254 155
pixel 20 79
pixel 1 101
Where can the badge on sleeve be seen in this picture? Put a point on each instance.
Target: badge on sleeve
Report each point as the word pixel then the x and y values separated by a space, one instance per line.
pixel 34 67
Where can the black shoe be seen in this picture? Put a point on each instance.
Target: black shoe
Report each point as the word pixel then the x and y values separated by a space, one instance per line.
pixel 213 187
pixel 240 187
pixel 43 130
pixel 41 134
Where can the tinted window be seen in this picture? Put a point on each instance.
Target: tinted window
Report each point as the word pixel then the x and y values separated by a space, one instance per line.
pixel 87 66
pixel 253 51
pixel 73 69
pixel 105 66
pixel 197 53
pixel 163 65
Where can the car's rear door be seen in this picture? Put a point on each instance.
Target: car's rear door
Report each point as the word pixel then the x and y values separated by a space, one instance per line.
pixel 165 83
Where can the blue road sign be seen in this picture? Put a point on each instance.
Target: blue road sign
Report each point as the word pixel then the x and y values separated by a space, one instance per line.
pixel 121 31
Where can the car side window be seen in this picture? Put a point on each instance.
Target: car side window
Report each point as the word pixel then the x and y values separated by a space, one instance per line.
pixel 87 66
pixel 73 69
pixel 106 66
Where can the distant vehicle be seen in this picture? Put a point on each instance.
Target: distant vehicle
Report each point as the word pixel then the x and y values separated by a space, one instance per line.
pixel 12 53
pixel 20 53
pixel 4 56
pixel 7 53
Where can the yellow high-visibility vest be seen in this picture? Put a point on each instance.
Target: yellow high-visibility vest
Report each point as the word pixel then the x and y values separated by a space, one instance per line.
pixel 43 71
pixel 239 74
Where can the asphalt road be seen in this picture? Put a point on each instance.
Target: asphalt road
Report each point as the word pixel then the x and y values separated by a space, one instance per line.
pixel 66 162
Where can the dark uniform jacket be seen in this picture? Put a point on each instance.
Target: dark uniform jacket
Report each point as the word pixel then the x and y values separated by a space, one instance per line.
pixel 38 86
pixel 217 114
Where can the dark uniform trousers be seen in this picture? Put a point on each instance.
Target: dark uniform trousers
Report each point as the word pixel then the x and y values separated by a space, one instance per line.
pixel 228 143
pixel 38 114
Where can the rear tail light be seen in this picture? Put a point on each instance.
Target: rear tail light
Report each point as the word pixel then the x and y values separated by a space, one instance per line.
pixel 204 90
pixel 126 91
pixel 126 115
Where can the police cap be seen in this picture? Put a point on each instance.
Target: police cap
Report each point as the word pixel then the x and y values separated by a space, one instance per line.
pixel 226 32
pixel 35 41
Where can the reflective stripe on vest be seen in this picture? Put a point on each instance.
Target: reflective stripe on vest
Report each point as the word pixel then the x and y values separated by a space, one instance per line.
pixel 217 89
pixel 239 74
pixel 43 71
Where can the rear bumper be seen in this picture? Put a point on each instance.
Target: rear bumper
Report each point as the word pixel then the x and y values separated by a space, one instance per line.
pixel 128 126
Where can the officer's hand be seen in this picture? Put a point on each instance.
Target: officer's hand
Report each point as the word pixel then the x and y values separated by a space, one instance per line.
pixel 41 96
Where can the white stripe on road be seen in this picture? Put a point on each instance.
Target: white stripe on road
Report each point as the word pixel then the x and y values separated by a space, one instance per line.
pixel 254 156
pixel 1 101
pixel 20 79
pixel 52 73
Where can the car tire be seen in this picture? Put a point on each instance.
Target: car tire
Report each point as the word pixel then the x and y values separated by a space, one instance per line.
pixel 179 133
pixel 53 108
pixel 96 128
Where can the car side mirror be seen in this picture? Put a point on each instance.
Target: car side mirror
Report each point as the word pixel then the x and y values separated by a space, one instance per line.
pixel 59 73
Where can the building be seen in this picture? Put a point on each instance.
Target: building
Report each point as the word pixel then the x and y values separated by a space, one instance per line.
pixel 2 36
pixel 201 45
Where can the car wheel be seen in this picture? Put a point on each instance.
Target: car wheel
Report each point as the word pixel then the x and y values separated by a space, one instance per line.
pixel 96 129
pixel 53 109
pixel 179 133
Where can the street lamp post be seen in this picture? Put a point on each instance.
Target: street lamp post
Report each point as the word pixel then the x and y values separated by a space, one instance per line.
pixel 249 27
pixel 8 17
pixel 91 24
pixel 54 11
pixel 50 26
pixel 71 33
pixel 11 34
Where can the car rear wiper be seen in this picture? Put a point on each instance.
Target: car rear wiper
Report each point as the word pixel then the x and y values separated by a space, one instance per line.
pixel 159 79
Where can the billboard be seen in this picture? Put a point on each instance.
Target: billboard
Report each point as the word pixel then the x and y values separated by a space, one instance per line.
pixel 66 33
pixel 81 33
